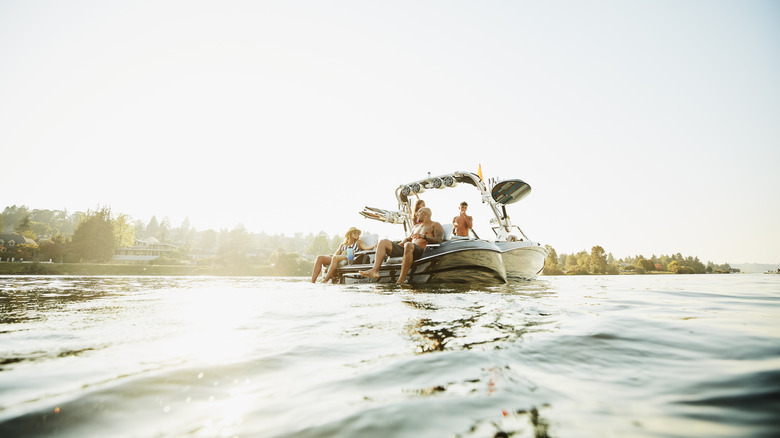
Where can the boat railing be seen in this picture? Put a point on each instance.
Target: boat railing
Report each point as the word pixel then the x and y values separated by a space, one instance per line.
pixel 509 237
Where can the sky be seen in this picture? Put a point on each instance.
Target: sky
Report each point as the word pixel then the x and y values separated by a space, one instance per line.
pixel 645 127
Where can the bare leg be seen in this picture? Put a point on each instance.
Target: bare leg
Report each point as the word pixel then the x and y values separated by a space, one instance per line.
pixel 334 266
pixel 382 249
pixel 321 260
pixel 406 263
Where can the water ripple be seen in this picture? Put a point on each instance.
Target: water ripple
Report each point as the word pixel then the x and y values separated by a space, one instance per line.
pixel 651 356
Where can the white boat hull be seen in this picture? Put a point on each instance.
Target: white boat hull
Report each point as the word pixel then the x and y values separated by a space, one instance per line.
pixel 522 260
pixel 462 261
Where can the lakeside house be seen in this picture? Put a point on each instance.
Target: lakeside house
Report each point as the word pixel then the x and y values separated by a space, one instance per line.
pixel 142 252
pixel 11 240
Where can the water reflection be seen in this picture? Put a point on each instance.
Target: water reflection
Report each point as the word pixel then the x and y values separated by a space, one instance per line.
pixel 62 318
pixel 520 423
pixel 257 357
pixel 502 314
pixel 24 299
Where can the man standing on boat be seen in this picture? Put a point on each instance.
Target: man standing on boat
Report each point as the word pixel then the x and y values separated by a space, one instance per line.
pixel 462 222
pixel 425 232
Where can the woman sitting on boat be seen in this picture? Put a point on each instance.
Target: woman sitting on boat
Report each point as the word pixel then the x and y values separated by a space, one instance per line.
pixel 351 242
pixel 417 206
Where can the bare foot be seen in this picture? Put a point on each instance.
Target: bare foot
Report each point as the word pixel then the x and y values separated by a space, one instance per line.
pixel 369 274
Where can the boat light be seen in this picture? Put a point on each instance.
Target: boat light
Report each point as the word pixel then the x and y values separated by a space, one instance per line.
pixel 449 181
pixel 406 191
pixel 435 183
pixel 416 187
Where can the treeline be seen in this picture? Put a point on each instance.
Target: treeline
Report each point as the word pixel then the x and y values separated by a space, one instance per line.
pixel 597 261
pixel 93 237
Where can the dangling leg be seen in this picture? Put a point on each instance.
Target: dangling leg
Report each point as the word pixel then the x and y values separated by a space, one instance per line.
pixel 334 266
pixel 321 260
pixel 406 263
pixel 383 248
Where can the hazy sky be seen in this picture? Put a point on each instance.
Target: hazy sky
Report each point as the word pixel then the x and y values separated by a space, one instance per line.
pixel 644 126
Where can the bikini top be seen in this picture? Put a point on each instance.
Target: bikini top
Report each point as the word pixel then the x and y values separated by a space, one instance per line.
pixel 343 248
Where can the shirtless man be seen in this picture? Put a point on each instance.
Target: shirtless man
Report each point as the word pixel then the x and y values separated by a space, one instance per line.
pixel 427 231
pixel 462 222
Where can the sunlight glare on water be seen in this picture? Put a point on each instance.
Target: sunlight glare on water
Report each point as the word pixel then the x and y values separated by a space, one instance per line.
pixel 212 321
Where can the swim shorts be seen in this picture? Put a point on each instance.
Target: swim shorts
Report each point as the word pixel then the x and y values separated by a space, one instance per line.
pixel 398 251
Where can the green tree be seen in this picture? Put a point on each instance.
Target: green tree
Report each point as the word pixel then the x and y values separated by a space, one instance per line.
pixel 551 262
pixel 124 233
pixel 288 264
pixel 12 215
pixel 583 264
pixel 578 264
pixel 164 233
pixel 44 216
pixel 695 264
pixel 53 249
pixel 41 229
pixel 678 267
pixel 207 240
pixel 24 227
pixel 718 269
pixel 233 248
pixel 598 260
pixel 335 241
pixel 320 245
pixel 93 239
pixel 645 264
pixel 183 234
pixel 67 223
pixel 140 229
pixel 153 228
pixel 571 263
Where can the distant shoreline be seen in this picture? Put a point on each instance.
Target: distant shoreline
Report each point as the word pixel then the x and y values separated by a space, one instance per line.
pixel 96 269
pixel 89 269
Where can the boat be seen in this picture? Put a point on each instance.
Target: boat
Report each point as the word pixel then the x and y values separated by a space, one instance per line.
pixel 509 256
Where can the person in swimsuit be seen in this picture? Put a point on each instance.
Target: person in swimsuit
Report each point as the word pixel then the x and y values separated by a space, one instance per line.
pixel 411 248
pixel 351 240
pixel 462 223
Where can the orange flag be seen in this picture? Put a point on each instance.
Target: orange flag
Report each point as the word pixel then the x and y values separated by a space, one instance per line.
pixel 479 173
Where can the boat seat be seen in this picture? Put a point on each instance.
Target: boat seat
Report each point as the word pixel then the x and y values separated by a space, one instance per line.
pixel 370 239
pixel 448 229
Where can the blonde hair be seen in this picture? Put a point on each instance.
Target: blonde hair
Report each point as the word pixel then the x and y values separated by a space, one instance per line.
pixel 417 207
pixel 348 235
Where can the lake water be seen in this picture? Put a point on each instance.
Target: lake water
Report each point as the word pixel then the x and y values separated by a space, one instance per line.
pixel 593 356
